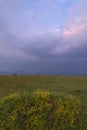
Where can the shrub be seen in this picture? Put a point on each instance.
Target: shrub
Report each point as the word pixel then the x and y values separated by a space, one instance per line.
pixel 41 111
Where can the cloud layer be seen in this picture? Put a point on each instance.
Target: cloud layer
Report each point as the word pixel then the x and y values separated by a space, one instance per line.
pixel 43 37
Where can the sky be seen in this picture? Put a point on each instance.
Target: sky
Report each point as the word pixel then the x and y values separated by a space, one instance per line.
pixel 43 37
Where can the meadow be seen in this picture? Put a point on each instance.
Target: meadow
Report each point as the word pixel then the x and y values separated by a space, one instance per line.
pixel 58 86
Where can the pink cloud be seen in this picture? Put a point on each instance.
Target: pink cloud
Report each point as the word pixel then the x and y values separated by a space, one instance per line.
pixel 74 29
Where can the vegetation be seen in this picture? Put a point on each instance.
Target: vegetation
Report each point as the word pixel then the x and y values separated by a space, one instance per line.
pixel 43 103
pixel 41 111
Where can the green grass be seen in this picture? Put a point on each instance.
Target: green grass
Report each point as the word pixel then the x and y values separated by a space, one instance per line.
pixel 57 85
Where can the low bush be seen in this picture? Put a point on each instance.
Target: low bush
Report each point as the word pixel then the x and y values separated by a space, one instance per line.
pixel 41 111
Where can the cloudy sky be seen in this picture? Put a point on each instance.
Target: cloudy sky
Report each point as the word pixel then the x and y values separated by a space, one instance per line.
pixel 43 37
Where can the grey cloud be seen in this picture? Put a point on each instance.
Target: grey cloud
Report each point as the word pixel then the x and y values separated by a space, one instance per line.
pixel 42 47
pixel 71 63
pixel 45 53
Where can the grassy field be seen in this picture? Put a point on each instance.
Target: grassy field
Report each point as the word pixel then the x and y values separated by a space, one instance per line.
pixel 57 85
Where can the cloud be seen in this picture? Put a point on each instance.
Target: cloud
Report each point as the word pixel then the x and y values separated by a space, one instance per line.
pixel 29 45
pixel 71 37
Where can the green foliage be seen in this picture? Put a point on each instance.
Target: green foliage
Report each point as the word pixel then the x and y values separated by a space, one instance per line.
pixel 39 111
